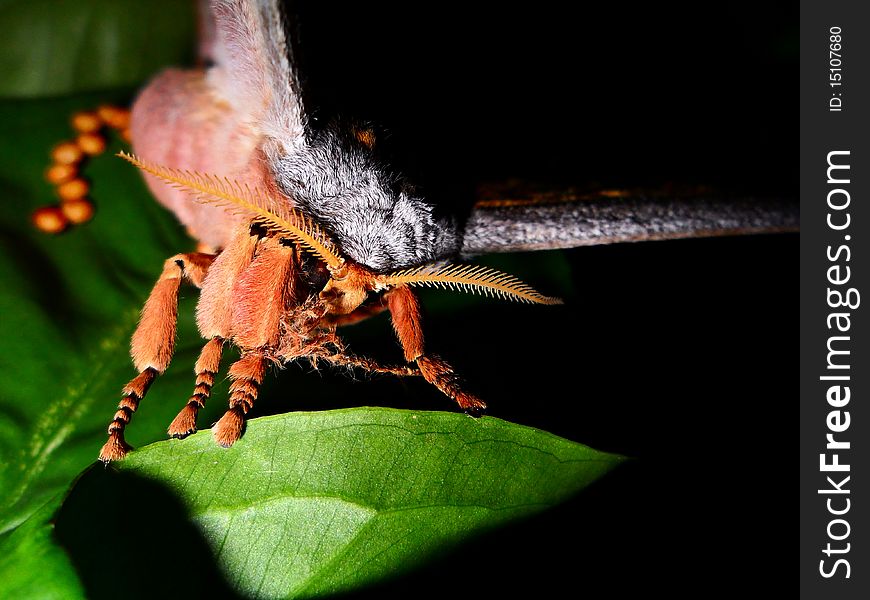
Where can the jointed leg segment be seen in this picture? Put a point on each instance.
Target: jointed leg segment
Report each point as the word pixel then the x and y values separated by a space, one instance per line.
pixel 206 368
pixel 246 375
pixel 116 448
pixel 407 321
pixel 153 342
pixel 154 339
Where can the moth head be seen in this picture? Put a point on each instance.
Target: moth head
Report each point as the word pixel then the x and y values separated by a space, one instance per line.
pixel 347 288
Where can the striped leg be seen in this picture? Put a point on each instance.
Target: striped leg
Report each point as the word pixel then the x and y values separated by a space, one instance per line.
pixel 153 342
pixel 246 375
pixel 115 447
pixel 206 368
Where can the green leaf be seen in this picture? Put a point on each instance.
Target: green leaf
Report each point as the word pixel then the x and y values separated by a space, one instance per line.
pixel 69 304
pixel 54 47
pixel 309 504
pixel 32 565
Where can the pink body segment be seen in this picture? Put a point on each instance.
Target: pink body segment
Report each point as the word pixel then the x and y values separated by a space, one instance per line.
pixel 180 119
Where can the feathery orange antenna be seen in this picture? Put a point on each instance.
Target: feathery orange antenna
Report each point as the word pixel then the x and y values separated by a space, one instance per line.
pixel 474 279
pixel 260 207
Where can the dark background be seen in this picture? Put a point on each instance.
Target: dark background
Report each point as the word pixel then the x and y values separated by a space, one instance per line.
pixel 679 354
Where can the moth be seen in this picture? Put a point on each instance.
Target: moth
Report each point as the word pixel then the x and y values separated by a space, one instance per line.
pixel 303 229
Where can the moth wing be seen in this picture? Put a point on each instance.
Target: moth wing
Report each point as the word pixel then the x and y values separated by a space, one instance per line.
pixel 518 216
pixel 205 27
pixel 252 54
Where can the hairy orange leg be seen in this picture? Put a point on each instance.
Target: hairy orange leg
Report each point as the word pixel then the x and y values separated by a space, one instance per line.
pixel 206 368
pixel 367 364
pixel 153 342
pixel 407 321
pixel 261 293
pixel 246 375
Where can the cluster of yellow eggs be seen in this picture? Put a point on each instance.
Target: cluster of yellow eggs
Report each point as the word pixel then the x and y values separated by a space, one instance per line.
pixel 68 158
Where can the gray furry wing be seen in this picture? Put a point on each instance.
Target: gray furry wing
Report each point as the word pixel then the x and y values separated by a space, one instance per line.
pixel 518 218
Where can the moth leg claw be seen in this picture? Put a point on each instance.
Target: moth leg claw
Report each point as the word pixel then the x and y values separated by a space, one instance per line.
pixel 476 411
pixel 184 423
pixel 230 427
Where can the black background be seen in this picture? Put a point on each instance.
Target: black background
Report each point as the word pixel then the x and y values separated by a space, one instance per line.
pixel 680 354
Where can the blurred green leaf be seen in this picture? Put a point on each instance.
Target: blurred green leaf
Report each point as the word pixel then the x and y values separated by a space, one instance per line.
pixel 31 563
pixel 309 504
pixel 69 305
pixel 55 47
